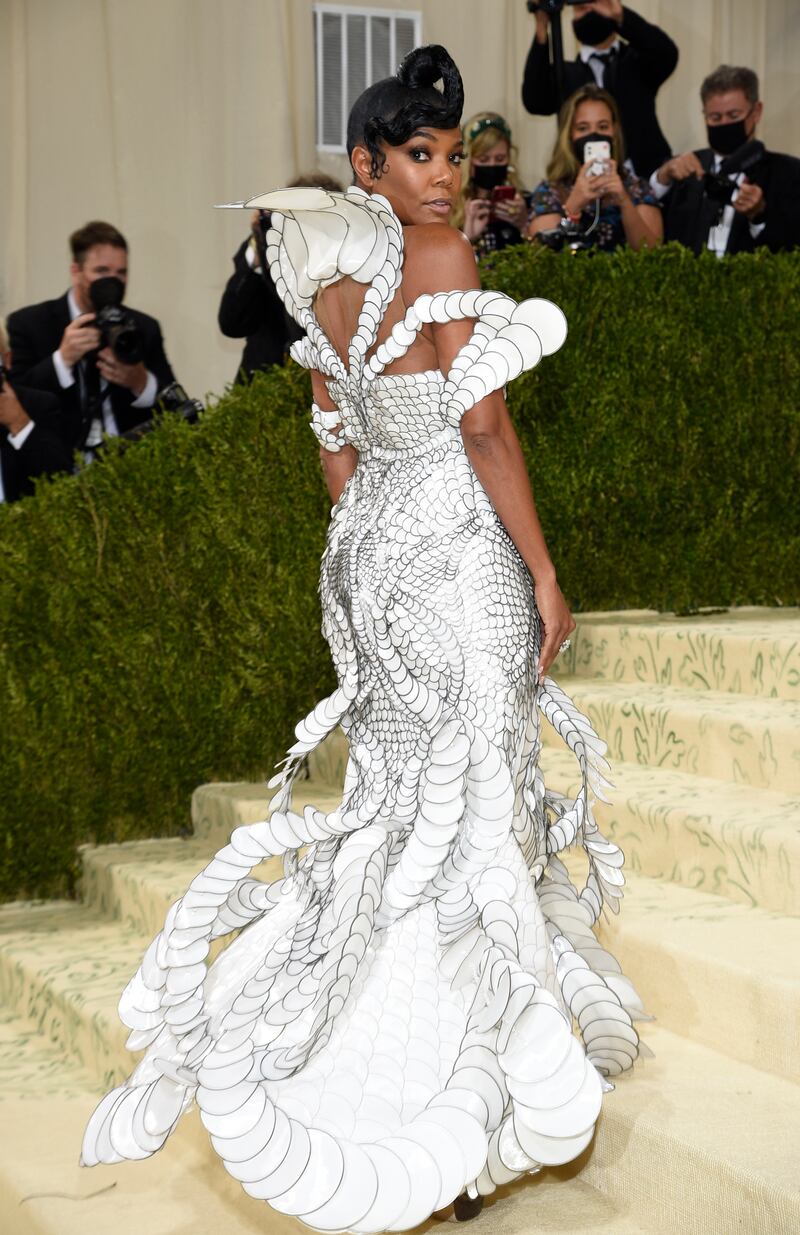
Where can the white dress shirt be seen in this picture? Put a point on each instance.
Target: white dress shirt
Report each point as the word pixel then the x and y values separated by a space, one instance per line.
pixel 596 60
pixel 66 377
pixel 17 440
pixel 719 234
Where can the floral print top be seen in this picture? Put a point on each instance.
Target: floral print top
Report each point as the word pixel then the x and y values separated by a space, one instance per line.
pixel 549 196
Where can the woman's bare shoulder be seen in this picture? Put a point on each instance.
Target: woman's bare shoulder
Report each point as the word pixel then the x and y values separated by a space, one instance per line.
pixel 438 258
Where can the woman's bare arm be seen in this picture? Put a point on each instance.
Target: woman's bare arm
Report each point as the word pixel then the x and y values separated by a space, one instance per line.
pixel 442 260
pixel 644 225
pixel 337 465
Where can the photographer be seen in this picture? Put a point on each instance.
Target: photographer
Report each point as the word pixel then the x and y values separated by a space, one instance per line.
pixel 734 196
pixel 29 446
pixel 492 209
pixel 621 53
pixel 250 307
pixel 593 198
pixel 105 364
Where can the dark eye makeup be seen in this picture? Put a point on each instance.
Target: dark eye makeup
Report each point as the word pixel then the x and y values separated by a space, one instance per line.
pixel 421 153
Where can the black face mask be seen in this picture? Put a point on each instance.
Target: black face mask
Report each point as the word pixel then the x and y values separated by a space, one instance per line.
pixel 593 29
pixel 489 175
pixel 579 145
pixel 725 138
pixel 106 291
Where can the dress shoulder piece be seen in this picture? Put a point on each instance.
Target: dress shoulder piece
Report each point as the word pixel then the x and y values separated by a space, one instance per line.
pixel 317 238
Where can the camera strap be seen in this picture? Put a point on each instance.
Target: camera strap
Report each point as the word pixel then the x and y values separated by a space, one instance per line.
pixel 91 402
pixel 743 160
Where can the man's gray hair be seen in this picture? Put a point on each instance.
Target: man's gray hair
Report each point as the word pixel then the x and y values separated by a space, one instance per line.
pixel 728 77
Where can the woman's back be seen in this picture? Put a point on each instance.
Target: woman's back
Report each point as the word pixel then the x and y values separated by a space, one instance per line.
pixel 338 306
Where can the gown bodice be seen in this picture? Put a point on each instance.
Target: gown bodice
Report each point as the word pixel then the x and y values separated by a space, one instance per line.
pixel 317 238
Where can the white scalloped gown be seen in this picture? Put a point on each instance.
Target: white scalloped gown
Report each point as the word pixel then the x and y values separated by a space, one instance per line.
pixel 394 1021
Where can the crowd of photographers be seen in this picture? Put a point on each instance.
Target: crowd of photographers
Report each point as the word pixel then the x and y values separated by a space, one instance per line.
pixel 612 178
pixel 84 367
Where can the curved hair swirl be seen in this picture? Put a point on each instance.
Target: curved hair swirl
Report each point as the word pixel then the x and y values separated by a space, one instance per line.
pixel 390 111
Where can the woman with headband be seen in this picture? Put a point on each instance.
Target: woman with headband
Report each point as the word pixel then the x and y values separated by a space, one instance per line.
pixel 390 1028
pixel 492 209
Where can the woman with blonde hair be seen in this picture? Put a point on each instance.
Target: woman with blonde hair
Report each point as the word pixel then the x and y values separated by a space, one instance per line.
pixel 600 198
pixel 490 216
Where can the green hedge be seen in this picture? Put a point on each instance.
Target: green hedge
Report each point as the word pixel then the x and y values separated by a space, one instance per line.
pixel 663 439
pixel 159 619
pixel 159 627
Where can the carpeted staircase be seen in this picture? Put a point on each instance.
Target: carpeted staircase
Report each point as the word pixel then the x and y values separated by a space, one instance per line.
pixel 702 717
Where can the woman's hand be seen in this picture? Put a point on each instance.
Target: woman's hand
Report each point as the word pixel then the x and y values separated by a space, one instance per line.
pixel 584 191
pixel 512 210
pixel 476 217
pixel 557 622
pixel 611 186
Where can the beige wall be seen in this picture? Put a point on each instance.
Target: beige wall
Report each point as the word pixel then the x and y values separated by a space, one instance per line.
pixel 146 112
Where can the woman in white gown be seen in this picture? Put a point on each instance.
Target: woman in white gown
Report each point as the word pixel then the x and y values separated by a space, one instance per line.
pixel 394 1024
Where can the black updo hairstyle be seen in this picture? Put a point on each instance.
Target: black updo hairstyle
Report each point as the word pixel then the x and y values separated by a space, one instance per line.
pixel 391 110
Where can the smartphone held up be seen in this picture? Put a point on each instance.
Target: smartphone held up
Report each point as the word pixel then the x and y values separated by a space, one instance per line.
pixel 501 193
pixel 598 155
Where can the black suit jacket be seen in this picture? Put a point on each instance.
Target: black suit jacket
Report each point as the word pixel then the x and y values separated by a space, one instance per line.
pixel 633 77
pixel 688 212
pixel 35 332
pixel 251 309
pixel 42 452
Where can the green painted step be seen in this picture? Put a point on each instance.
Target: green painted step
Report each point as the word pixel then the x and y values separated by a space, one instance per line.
pixel 723 736
pixel 730 840
pixel 748 651
pixel 62 970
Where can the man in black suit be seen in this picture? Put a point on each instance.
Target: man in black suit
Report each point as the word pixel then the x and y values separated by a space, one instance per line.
pixel 733 196
pixel 56 348
pixel 30 445
pixel 250 308
pixel 631 70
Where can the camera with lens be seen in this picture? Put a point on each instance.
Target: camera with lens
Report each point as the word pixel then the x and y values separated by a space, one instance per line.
pixel 718 186
pixel 567 236
pixel 117 326
pixel 173 398
pixel 549 6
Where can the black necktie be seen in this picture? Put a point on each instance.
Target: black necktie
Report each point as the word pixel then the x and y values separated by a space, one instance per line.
pixel 605 59
pixel 92 404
